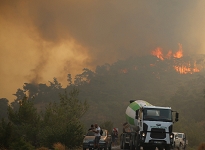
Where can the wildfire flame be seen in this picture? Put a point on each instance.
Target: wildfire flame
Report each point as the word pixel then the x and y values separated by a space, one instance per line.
pixel 158 53
pixel 176 60
pixel 182 68
pixel 179 53
pixel 124 70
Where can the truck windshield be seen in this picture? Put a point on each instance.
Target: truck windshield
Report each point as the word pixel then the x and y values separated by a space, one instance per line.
pixel 155 114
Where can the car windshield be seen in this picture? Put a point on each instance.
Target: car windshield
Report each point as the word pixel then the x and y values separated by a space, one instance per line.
pixel 90 133
pixel 156 114
pixel 179 135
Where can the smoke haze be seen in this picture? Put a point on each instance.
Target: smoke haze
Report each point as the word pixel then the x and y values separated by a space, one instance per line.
pixel 40 40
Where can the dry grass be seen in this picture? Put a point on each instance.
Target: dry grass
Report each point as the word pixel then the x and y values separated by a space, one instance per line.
pixel 42 148
pixel 201 146
pixel 59 146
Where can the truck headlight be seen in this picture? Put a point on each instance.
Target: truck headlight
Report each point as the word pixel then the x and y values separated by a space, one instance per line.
pixel 171 138
pixel 143 136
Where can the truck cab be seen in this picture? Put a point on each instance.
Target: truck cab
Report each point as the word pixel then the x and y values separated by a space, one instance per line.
pixel 155 124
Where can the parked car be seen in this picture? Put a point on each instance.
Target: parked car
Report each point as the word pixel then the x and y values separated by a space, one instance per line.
pixel 105 141
pixel 180 140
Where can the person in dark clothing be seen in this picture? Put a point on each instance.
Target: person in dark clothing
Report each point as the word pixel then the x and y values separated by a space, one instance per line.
pixel 91 127
pixel 97 136
pixel 114 136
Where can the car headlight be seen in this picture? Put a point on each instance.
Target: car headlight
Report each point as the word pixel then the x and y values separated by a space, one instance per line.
pixel 143 134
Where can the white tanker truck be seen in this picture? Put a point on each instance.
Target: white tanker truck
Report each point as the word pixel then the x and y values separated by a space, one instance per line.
pixel 147 126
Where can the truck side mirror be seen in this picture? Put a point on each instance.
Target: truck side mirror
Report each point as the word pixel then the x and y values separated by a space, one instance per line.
pixel 177 117
pixel 136 115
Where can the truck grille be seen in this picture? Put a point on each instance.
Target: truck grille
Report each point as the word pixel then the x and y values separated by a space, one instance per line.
pixel 158 133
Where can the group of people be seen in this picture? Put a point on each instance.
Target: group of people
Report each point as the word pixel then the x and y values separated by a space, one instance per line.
pixel 96 129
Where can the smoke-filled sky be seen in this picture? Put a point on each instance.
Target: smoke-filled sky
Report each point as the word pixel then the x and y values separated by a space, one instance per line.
pixel 42 39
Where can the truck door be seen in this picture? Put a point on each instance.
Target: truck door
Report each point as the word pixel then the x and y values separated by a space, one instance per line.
pixel 140 120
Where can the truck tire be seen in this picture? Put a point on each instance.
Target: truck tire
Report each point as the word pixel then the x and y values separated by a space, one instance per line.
pixel 125 145
pixel 168 148
pixel 132 147
pixel 137 142
pixel 137 147
pixel 121 141
pixel 160 148
pixel 146 148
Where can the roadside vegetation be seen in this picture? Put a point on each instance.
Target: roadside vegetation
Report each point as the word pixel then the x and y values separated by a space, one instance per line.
pixel 58 126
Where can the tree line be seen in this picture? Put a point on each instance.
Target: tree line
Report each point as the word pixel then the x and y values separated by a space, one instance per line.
pixel 26 128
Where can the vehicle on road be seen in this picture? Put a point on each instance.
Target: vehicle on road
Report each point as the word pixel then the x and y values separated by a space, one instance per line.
pixel 180 140
pixel 147 126
pixel 105 141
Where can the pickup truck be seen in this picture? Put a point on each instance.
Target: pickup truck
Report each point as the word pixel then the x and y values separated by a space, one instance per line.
pixel 180 140
pixel 104 143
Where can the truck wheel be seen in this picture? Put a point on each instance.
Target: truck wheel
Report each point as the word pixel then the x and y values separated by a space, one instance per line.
pixel 126 146
pixel 121 142
pixel 160 148
pixel 167 148
pixel 146 148
pixel 137 147
pixel 132 147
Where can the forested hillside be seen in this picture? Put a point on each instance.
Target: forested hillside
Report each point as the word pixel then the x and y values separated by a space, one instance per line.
pixel 109 88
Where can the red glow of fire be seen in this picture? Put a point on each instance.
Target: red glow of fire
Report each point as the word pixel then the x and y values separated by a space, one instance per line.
pixel 124 70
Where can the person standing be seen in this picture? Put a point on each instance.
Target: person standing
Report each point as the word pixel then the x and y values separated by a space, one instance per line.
pixel 114 136
pixel 97 136
pixel 91 127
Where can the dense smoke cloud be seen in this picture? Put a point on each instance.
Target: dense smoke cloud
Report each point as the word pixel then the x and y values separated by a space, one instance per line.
pixel 40 40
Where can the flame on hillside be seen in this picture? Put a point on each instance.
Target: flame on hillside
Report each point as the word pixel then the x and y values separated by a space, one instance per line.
pixel 158 53
pixel 182 67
